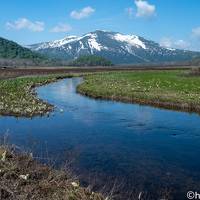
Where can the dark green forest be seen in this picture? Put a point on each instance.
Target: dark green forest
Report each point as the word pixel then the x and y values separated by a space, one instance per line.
pixel 91 61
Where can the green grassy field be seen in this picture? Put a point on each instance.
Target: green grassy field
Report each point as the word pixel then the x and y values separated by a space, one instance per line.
pixel 169 89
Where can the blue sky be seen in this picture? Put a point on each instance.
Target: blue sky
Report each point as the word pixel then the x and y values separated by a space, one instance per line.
pixel 173 23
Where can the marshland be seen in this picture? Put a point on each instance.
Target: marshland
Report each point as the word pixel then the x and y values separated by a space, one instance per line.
pixel 175 89
pixel 128 149
pixel 18 97
pixel 168 89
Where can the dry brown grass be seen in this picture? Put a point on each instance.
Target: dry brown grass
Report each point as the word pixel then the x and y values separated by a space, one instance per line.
pixel 22 178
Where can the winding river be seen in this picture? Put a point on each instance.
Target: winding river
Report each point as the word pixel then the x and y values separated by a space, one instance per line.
pixel 148 150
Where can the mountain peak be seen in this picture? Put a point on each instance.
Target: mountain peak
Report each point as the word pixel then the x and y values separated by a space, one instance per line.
pixel 115 46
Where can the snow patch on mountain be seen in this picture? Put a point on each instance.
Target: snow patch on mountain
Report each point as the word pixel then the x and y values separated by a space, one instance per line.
pixel 171 49
pixel 117 47
pixel 132 40
pixel 57 43
pixel 93 44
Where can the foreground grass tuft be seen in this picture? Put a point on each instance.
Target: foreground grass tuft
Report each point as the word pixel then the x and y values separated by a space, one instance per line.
pixel 21 177
pixel 168 89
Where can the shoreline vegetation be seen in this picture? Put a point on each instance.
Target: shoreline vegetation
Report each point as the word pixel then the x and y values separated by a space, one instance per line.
pixel 170 89
pixel 175 90
pixel 18 97
pixel 22 177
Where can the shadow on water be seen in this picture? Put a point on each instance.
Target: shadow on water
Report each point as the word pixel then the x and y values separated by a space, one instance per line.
pixel 140 150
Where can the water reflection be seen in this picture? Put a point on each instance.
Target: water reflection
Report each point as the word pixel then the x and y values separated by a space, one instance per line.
pixel 149 149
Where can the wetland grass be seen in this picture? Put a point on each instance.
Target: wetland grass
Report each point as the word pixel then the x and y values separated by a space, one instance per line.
pixel 17 96
pixel 165 89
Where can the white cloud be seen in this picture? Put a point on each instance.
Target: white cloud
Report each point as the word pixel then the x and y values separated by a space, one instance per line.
pixel 178 44
pixel 196 32
pixel 61 28
pixel 166 42
pixel 83 13
pixel 181 44
pixel 191 43
pixel 144 9
pixel 24 23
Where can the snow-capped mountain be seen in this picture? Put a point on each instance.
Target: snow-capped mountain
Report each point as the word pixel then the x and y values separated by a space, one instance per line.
pixel 117 47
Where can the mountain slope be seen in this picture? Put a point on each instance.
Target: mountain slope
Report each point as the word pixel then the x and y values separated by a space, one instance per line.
pixel 11 50
pixel 119 48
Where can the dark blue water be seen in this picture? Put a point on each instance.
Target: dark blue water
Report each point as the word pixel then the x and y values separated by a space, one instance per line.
pixel 148 150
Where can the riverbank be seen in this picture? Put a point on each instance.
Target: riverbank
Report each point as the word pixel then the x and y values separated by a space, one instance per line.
pixel 17 96
pixel 164 89
pixel 21 177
